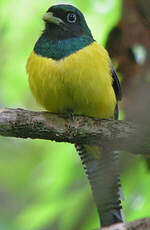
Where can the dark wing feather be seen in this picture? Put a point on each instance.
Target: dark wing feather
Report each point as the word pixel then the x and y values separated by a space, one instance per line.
pixel 117 89
pixel 116 85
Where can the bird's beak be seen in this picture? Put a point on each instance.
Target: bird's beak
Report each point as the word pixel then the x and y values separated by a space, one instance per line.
pixel 49 17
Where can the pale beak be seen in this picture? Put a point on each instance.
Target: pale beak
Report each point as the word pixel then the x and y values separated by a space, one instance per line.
pixel 49 17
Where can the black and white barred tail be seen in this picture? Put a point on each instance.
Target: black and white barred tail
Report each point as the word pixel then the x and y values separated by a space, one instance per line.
pixel 102 169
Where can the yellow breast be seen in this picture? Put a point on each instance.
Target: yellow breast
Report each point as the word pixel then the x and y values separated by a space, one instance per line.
pixel 81 82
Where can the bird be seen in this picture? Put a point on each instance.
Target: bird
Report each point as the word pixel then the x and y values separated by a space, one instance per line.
pixel 70 73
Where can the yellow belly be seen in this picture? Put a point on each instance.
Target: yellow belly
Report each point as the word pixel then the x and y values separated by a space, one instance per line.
pixel 81 82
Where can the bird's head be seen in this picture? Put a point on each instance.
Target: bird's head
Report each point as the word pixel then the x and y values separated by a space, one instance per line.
pixel 65 21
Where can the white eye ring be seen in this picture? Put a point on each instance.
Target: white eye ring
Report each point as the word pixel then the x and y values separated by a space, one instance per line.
pixel 71 17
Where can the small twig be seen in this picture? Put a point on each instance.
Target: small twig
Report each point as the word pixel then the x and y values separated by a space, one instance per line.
pixel 142 224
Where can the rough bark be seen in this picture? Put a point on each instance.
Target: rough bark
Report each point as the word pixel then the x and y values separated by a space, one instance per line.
pixel 120 135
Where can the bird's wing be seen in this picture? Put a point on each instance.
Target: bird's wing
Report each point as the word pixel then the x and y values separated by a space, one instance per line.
pixel 117 89
pixel 116 85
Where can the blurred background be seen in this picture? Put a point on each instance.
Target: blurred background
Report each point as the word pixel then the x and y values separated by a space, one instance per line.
pixel 42 183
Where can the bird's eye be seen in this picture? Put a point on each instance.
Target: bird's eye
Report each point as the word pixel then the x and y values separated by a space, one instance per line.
pixel 71 18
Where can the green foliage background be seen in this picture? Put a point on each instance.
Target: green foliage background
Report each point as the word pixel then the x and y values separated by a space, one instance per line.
pixel 42 183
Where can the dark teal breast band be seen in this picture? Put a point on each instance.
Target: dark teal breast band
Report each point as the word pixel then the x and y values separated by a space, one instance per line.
pixel 61 48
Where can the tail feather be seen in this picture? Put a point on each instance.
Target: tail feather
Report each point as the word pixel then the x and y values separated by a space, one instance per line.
pixel 102 169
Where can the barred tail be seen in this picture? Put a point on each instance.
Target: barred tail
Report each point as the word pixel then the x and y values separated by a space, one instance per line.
pixel 102 169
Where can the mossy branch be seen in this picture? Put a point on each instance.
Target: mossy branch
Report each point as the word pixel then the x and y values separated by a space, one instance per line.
pixel 120 135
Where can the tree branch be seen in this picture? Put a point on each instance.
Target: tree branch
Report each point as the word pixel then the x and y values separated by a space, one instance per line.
pixel 120 135
pixel 142 224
